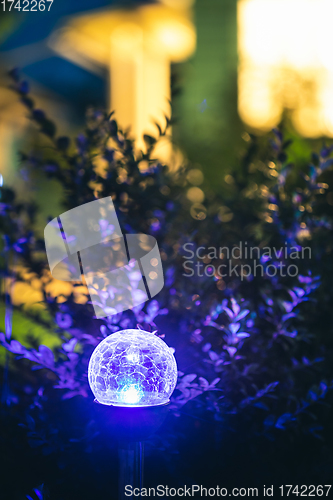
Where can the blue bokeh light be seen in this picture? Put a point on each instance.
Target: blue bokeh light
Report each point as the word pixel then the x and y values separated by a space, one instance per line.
pixel 132 368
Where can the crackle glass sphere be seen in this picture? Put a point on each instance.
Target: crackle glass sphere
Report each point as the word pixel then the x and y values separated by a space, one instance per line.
pixel 132 368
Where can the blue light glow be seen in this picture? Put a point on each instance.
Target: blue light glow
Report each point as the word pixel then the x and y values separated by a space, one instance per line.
pixel 132 368
pixel 131 395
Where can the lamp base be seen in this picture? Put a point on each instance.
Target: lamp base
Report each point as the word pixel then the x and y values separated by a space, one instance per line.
pixel 128 424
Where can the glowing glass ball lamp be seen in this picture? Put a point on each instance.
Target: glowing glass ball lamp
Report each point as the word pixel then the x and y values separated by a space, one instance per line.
pixel 132 368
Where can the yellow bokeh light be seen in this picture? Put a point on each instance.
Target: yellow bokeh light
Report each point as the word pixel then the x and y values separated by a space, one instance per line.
pixel 195 194
pixel 285 62
pixel 176 37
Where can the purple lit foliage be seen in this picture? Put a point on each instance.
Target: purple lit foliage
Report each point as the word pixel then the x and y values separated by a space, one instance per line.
pixel 250 342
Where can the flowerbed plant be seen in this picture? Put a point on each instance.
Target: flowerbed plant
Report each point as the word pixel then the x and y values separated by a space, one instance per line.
pixel 251 350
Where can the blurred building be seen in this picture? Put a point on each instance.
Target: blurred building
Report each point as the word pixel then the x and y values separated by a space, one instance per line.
pixel 66 55
pixel 236 63
pixel 136 46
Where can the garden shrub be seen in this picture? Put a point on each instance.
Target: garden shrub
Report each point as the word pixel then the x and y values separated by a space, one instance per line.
pixel 253 352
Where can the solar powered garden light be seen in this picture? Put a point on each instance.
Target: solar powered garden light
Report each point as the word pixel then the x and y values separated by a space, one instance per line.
pixel 132 368
pixel 132 374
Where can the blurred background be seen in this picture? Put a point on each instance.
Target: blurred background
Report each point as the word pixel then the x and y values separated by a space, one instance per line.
pixel 227 72
pixel 225 66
